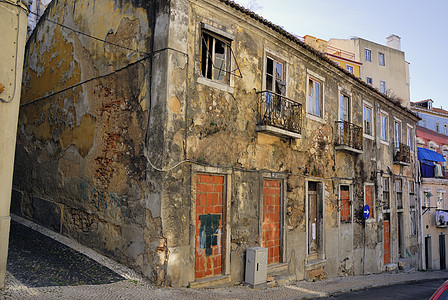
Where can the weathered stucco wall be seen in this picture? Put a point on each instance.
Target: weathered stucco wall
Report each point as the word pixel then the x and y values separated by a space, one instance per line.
pixel 84 152
pixel 81 166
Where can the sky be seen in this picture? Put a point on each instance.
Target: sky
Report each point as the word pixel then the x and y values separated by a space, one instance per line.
pixel 422 26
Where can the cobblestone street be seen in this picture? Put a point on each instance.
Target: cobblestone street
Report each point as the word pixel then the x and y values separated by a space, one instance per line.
pixel 45 265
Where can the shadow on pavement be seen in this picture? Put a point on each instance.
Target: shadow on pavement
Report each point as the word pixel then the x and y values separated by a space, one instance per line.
pixel 38 261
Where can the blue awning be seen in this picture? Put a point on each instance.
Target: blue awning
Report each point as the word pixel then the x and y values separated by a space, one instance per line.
pixel 426 154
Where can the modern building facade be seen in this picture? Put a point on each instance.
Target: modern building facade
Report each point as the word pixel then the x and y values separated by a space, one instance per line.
pixel 174 141
pixel 384 67
pixel 344 59
pixel 433 142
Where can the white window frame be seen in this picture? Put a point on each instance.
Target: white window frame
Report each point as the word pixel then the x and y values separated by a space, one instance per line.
pixel 350 68
pixel 386 129
pixel 372 121
pixel 315 77
pixel 368 58
pixel 383 61
pixel 349 95
pixel 400 136
pixel 445 129
pixel 383 88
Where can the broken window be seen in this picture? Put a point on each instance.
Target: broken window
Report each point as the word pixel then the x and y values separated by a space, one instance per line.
pixel 386 195
pixel 344 195
pixel 275 76
pixel 315 102
pixel 215 57
pixel 368 130
pixel 399 193
pixel 315 208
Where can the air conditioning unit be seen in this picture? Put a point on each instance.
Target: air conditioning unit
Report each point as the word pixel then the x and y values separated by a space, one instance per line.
pixel 256 266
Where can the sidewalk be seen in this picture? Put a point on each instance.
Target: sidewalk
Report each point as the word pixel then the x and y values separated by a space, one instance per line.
pixel 126 284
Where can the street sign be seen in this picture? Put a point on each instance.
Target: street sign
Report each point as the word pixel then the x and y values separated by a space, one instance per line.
pixel 366 212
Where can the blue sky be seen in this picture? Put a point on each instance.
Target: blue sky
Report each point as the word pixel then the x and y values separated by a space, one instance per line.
pixel 422 26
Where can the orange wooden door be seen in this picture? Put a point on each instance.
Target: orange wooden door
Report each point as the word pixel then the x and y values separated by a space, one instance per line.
pixel 209 226
pixel 271 219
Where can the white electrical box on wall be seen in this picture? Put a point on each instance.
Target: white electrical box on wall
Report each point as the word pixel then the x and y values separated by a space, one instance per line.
pixel 256 265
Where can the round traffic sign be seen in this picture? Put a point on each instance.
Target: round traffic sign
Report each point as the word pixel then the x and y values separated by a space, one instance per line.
pixel 366 212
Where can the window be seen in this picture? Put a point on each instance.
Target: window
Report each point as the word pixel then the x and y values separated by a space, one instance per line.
pixel 215 57
pixel 399 193
pixel 397 134
pixel 344 107
pixel 383 87
pixel 368 53
pixel 437 127
pixel 315 102
pixel 315 217
pixel 445 129
pixel 412 198
pixel 369 80
pixel 381 59
pixel 349 68
pixel 368 199
pixel 368 130
pixel 275 76
pixel 386 195
pixel 409 137
pixel 345 203
pixel 336 62
pixel 412 209
pixel 440 199
pixel 427 198
pixel 384 119
pixel 423 122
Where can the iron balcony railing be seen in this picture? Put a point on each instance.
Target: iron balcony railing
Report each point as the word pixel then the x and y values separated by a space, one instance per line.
pixel 348 134
pixel 278 111
pixel 402 153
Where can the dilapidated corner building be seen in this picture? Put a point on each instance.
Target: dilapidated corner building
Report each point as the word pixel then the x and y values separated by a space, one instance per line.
pixel 201 129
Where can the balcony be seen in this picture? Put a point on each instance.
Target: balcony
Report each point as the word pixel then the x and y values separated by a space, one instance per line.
pixel 348 137
pixel 402 154
pixel 278 115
